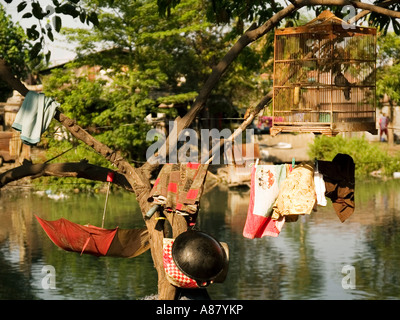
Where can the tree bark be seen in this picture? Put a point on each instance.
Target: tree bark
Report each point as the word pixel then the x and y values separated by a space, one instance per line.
pixel 138 178
pixel 81 169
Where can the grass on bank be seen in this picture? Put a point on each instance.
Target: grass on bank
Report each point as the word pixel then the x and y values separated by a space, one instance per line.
pixel 368 156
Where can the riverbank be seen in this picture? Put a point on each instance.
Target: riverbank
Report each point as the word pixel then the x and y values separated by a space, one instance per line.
pixel 279 149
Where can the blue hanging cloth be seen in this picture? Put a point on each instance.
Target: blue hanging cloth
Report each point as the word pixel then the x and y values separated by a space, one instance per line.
pixel 34 117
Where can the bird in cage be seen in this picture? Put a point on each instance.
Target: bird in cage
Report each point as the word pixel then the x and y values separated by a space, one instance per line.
pixel 341 81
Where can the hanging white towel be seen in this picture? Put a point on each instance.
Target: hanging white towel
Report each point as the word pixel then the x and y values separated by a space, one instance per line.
pixel 320 189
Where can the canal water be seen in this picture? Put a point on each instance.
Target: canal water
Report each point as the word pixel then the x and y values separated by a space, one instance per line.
pixel 317 257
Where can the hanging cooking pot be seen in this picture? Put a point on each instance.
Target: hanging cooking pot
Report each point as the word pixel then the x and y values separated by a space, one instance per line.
pixel 199 256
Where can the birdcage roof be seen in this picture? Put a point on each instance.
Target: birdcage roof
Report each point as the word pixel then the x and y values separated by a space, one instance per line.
pixel 327 21
pixel 326 17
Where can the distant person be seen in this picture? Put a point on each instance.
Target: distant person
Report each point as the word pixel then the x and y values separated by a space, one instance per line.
pixel 383 126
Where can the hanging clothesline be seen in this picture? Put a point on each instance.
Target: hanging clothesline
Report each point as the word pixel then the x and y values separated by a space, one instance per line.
pixel 280 193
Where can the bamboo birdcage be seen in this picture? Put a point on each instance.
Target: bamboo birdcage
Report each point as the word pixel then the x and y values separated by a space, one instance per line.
pixel 324 77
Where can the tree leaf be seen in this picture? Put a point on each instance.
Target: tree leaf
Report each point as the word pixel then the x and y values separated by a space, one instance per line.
pixel 21 6
pixel 27 15
pixel 57 22
pixel 68 9
pixel 396 26
pixel 48 55
pixel 32 33
pixel 50 34
pixel 82 16
pixel 35 50
pixel 93 19
pixel 37 10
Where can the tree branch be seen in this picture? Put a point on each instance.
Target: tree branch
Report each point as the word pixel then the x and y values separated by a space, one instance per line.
pixel 138 181
pixel 251 35
pixel 249 119
pixel 136 178
pixel 74 169
pixel 364 12
pixel 10 79
pixel 357 4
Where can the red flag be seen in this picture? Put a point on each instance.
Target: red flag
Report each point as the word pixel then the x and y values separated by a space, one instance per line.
pixel 110 177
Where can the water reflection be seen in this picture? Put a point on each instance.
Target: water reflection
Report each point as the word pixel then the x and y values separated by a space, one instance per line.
pixel 25 249
pixel 306 261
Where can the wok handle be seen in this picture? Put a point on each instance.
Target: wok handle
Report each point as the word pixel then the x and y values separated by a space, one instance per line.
pixel 203 284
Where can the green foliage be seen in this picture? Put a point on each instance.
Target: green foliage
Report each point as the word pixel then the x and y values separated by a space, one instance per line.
pixel 383 22
pixel 224 11
pixel 151 61
pixel 368 157
pixel 388 71
pixel 80 98
pixel 241 11
pixel 13 49
pixel 13 44
pixel 112 115
pixel 47 20
pixel 159 52
pixel 389 82
pixel 69 151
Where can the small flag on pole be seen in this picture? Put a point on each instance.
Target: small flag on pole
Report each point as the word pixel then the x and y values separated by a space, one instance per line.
pixel 110 178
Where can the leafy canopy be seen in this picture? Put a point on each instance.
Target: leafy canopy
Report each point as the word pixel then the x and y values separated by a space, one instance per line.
pixel 49 20
pixel 388 69
pixel 145 60
pixel 14 49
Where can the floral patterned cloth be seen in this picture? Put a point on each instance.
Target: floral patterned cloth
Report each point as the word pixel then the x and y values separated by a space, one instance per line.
pixel 297 194
pixel 267 181
pixel 259 225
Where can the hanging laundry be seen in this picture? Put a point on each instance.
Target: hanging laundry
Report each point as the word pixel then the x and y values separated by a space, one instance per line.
pixel 339 177
pixel 34 117
pixel 268 179
pixel 260 225
pixel 320 188
pixel 178 187
pixel 297 194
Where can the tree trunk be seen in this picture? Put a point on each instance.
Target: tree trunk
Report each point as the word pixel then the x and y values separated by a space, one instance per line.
pixel 137 179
